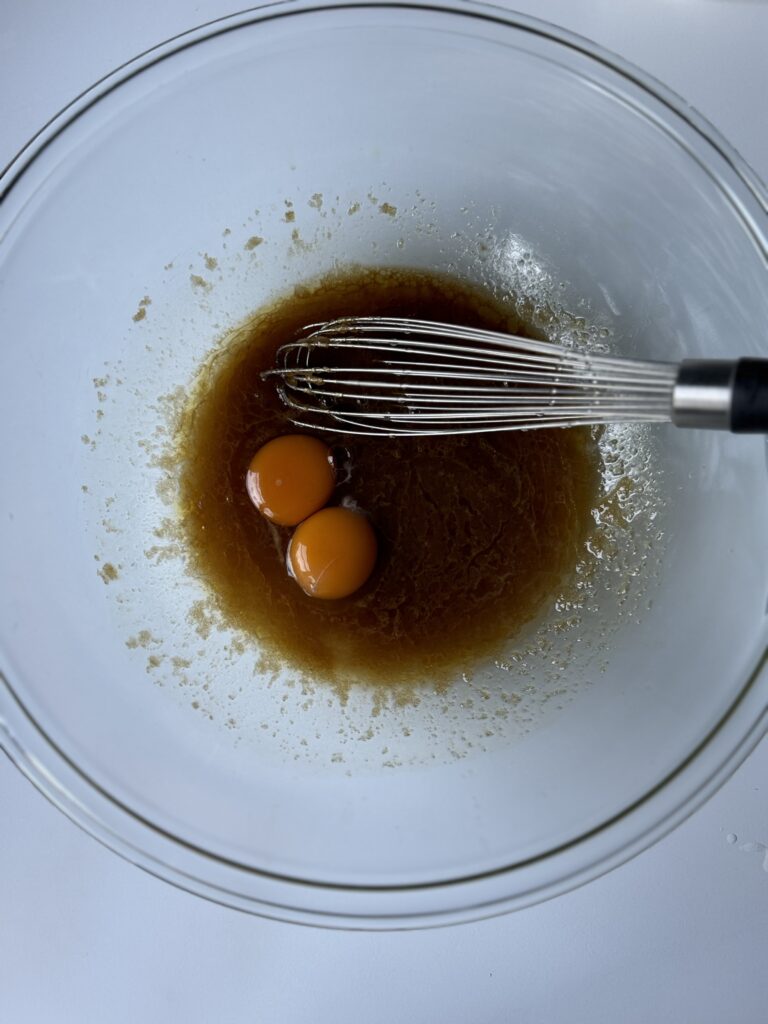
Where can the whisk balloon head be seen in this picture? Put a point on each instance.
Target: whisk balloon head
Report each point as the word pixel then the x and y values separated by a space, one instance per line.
pixel 393 377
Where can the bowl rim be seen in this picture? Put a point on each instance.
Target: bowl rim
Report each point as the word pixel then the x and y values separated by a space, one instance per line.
pixel 174 859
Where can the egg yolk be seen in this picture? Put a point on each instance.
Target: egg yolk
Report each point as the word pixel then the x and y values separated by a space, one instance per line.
pixel 290 477
pixel 332 553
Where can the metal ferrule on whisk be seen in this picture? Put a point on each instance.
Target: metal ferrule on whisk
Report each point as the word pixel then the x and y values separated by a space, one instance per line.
pixel 703 393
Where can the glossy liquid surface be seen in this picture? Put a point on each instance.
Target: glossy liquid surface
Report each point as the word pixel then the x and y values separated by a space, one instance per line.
pixel 476 534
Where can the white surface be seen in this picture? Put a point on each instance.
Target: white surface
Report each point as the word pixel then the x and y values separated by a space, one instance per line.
pixel 676 935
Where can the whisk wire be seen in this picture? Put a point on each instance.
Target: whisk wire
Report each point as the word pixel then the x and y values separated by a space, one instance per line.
pixel 390 376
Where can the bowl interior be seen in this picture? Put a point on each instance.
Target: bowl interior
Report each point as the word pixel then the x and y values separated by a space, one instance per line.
pixel 245 165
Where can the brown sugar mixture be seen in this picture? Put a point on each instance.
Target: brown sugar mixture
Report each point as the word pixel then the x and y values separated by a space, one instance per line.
pixel 476 534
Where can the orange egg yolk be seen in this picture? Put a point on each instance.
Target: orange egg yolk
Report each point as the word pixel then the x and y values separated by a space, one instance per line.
pixel 291 477
pixel 332 553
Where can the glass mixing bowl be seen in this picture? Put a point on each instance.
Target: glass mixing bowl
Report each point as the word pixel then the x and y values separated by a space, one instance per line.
pixel 234 163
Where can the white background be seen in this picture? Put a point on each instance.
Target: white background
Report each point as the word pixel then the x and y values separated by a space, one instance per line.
pixel 679 934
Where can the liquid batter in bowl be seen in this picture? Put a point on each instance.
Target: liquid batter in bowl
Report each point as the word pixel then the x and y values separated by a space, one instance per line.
pixel 475 533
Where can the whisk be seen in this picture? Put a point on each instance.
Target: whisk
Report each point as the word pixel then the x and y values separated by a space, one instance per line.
pixel 394 377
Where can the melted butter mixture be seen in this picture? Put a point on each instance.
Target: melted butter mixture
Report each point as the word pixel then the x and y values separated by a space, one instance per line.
pixel 477 534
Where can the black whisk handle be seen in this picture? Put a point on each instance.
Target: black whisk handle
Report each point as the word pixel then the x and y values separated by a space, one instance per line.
pixel 749 403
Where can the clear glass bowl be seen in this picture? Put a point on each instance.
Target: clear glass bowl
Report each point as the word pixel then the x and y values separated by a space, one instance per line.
pixel 231 164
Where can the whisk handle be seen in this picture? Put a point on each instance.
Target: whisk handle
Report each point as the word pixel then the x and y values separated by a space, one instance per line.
pixel 722 394
pixel 749 406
